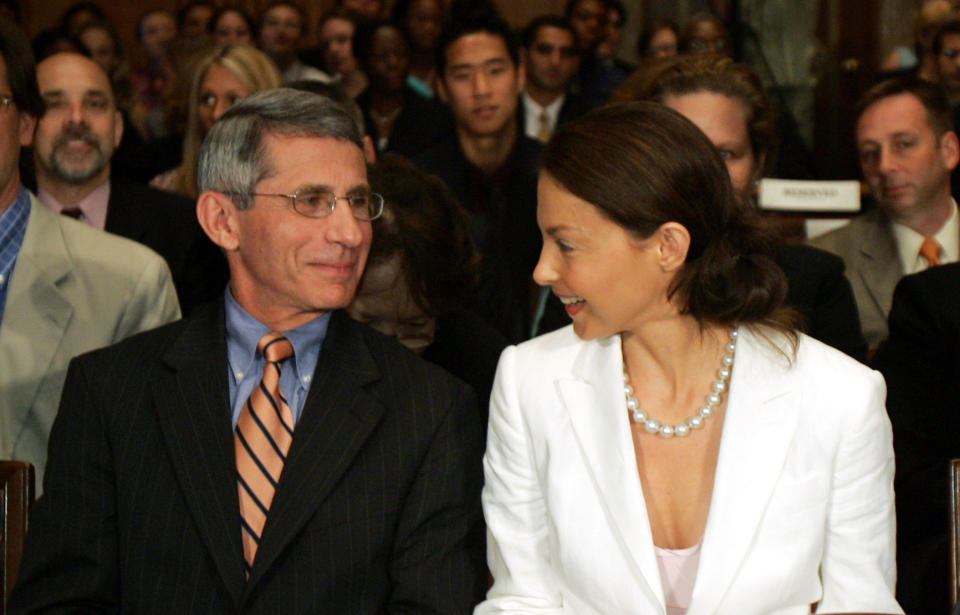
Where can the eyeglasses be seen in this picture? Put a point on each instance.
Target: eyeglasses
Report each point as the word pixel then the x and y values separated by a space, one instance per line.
pixel 317 203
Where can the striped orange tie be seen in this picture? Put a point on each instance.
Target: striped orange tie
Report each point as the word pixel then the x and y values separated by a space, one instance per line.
pixel 930 251
pixel 261 441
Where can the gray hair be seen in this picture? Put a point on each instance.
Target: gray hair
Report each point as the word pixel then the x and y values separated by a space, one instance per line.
pixel 233 157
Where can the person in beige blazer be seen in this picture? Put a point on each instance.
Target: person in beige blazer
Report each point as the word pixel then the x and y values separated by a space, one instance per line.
pixel 67 289
pixel 908 149
pixel 679 449
pixel 74 289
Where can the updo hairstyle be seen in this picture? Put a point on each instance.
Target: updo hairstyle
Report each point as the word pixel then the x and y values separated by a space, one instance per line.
pixel 648 165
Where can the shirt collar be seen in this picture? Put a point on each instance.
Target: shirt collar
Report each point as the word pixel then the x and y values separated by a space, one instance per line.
pixel 93 206
pixel 244 332
pixel 908 242
pixel 532 109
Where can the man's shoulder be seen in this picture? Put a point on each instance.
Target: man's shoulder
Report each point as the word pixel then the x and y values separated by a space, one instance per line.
pixel 142 192
pixel 809 260
pixel 934 286
pixel 150 202
pixel 444 154
pixel 574 105
pixel 88 248
pixel 527 152
pixel 846 239
pixel 145 348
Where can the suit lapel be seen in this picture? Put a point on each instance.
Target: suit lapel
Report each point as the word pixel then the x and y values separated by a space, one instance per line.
pixel 598 413
pixel 761 416
pixel 880 266
pixel 337 419
pixel 193 408
pixel 35 319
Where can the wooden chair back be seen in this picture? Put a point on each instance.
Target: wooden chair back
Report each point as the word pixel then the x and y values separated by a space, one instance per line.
pixel 16 495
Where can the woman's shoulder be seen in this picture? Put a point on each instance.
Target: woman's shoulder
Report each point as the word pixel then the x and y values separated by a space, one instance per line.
pixel 829 381
pixel 801 354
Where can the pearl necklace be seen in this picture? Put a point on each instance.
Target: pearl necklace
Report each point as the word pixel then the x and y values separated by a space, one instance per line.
pixel 696 421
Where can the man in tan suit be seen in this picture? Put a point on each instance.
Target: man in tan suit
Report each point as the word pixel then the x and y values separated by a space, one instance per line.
pixel 65 288
pixel 908 148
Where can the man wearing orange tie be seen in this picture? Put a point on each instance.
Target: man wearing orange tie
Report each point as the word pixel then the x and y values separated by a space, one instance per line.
pixel 908 147
pixel 266 454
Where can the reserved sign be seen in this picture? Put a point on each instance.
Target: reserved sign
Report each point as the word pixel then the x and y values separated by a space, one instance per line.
pixel 809 196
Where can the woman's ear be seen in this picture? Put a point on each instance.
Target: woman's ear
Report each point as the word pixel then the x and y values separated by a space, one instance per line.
pixel 673 243
pixel 218 217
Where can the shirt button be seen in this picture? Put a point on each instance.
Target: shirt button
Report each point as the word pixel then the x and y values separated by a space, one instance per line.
pixel 239 376
pixel 306 378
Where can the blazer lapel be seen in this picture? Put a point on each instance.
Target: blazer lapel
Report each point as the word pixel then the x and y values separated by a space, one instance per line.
pixel 35 319
pixel 598 413
pixel 761 417
pixel 880 266
pixel 337 419
pixel 193 408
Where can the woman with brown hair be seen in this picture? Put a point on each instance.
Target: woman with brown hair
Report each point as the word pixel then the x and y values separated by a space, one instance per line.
pixel 421 276
pixel 727 101
pixel 680 448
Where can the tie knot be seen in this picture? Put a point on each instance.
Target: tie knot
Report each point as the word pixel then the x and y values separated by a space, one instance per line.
pixel 930 250
pixel 275 347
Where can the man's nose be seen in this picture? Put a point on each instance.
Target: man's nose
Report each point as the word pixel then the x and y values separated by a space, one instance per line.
pixel 343 227
pixel 481 83
pixel 887 162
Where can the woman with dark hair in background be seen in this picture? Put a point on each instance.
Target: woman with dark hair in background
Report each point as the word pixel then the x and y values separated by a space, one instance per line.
pixel 422 20
pixel 398 119
pixel 421 276
pixel 232 25
pixel 659 40
pixel 680 448
pixel 727 101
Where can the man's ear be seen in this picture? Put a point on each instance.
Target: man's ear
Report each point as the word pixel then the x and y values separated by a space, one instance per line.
pixel 442 90
pixel 117 129
pixel 28 124
pixel 673 243
pixel 218 218
pixel 521 73
pixel 369 150
pixel 949 149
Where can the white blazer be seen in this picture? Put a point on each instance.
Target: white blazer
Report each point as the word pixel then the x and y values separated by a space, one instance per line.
pixel 802 507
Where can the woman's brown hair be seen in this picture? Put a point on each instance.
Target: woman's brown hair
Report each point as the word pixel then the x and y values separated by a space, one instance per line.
pixel 643 165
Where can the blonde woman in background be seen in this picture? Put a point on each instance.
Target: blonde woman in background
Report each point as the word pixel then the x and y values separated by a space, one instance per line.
pixel 223 76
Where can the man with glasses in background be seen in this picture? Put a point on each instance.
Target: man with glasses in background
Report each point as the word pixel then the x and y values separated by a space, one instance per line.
pixel 266 454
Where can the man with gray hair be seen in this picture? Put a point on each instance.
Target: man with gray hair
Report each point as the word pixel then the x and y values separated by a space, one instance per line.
pixel 266 454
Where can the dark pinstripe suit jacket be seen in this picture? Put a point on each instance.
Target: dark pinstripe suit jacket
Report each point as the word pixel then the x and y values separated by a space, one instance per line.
pixel 377 510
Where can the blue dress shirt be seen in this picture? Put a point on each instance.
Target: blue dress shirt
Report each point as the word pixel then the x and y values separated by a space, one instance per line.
pixel 246 365
pixel 13 226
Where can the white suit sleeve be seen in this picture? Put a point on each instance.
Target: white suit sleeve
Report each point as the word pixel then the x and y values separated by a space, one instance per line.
pixel 518 552
pixel 858 568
